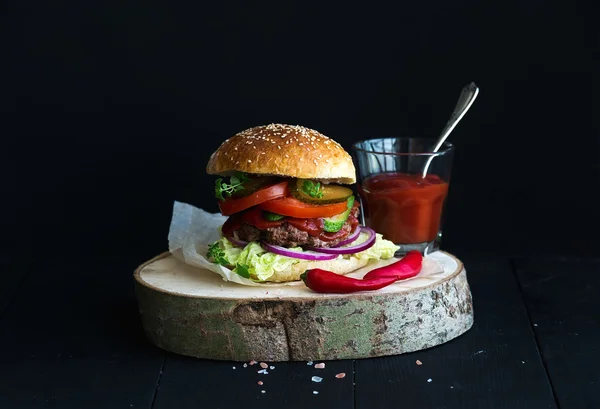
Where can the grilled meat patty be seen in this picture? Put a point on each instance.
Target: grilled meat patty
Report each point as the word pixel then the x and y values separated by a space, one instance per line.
pixel 287 235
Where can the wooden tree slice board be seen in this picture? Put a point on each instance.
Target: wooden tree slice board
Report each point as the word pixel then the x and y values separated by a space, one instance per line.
pixel 194 312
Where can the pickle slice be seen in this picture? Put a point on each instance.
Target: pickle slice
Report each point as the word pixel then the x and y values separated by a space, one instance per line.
pixel 272 217
pixel 309 192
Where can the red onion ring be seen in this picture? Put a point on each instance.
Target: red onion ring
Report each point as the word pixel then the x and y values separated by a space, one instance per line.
pixel 237 243
pixel 353 249
pixel 351 237
pixel 304 255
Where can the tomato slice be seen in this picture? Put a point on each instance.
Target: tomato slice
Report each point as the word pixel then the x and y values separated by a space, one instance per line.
pixel 232 224
pixel 232 205
pixel 289 206
pixel 254 217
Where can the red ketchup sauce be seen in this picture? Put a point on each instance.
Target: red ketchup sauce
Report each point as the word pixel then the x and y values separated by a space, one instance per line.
pixel 405 208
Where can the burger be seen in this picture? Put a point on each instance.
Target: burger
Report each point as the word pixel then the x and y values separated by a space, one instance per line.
pixel 286 192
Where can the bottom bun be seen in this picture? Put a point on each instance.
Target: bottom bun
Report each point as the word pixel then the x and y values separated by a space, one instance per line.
pixel 338 266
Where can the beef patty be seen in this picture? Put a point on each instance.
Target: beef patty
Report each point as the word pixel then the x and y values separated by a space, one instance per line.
pixel 287 235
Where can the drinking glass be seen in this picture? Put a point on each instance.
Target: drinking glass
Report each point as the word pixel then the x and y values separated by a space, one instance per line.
pixel 398 198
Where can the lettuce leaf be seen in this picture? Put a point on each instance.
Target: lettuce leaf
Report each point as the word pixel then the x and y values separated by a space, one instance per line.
pixel 261 264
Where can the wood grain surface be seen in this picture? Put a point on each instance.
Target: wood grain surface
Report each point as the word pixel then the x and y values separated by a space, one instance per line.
pixel 72 338
pixel 563 300
pixel 233 322
pixel 494 365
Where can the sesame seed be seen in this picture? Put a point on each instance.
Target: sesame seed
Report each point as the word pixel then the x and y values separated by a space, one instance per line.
pixel 286 155
pixel 300 144
pixel 262 153
pixel 263 365
pixel 315 161
pixel 278 147
pixel 249 161
pixel 235 148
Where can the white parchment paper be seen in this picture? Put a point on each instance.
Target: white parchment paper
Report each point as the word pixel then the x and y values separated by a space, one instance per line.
pixel 192 230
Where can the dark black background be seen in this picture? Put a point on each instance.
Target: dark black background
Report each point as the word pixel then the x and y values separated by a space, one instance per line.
pixel 111 109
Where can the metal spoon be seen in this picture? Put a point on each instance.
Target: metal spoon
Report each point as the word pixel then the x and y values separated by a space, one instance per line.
pixel 465 100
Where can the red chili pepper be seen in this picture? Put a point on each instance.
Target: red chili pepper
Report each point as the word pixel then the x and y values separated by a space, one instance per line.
pixel 408 266
pixel 323 281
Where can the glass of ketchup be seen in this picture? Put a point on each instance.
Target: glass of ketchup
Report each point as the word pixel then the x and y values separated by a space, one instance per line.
pixel 399 199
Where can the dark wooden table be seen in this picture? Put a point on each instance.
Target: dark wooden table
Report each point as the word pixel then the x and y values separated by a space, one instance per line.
pixel 70 337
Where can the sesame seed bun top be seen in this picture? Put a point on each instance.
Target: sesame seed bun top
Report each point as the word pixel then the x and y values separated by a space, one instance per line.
pixel 284 150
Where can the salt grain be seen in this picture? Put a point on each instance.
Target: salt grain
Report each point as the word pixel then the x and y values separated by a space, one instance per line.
pixel 253 362
pixel 429 380
pixel 263 365
pixel 245 365
pixel 341 375
pixel 260 382
pixel 419 362
pixel 316 379
pixel 271 367
pixel 320 366
pixel 315 392
pixel 309 363
pixel 263 391
pixel 234 367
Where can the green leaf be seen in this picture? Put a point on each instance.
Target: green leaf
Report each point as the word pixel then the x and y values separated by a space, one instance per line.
pixel 242 269
pixel 218 190
pixel 236 183
pixel 216 253
pixel 312 189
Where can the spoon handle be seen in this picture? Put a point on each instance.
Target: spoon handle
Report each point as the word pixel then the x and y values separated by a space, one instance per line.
pixel 465 100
